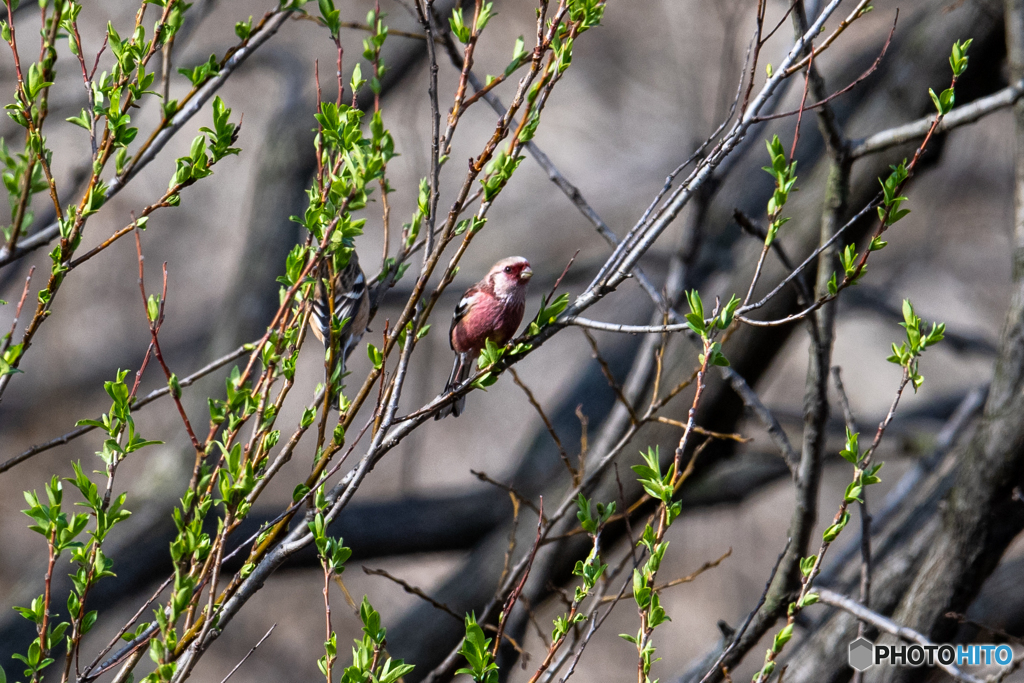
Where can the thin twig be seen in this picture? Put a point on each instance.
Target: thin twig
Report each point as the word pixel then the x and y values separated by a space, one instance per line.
pixel 482 476
pixel 413 590
pixel 514 595
pixel 547 423
pixel 681 580
pixel 607 371
pixel 248 654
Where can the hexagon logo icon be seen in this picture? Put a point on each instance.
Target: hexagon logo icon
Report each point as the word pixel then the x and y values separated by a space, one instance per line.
pixel 862 653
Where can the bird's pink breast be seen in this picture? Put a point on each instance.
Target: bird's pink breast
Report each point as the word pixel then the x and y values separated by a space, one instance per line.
pixel 490 319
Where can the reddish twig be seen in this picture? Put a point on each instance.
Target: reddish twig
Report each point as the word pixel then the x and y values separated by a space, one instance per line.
pixel 820 103
pixel 154 330
pixel 17 311
pixel 514 595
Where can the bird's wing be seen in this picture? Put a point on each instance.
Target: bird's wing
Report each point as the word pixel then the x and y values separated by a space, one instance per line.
pixel 349 290
pixel 320 320
pixel 465 304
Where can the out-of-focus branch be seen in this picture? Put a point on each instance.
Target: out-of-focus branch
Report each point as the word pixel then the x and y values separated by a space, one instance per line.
pixel 960 116
pixel 889 626
pixel 775 431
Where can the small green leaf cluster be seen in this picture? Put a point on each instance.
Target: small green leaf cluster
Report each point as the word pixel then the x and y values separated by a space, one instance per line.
pixel 9 357
pixel 586 13
pixel 189 551
pixel 561 46
pixel 647 600
pixel 200 73
pixel 661 487
pixel 411 230
pixel 907 354
pixel 131 57
pixel 243 29
pixel 36 80
pixel 590 522
pixel 353 159
pixel 333 554
pixel 116 422
pixel 51 521
pixel 206 150
pixel 849 260
pixel 784 173
pixel 643 578
pixel 473 224
pixel 375 355
pixel 366 652
pixel 564 622
pixel 372 45
pixel 34 659
pixel 391 265
pixel 548 312
pixel 861 477
pixel 240 402
pixel 832 532
pixel 657 485
pixel 958 63
pixel 498 172
pixel 39 76
pixel 332 551
pixel 106 514
pixel 781 638
pixel 461 31
pixel 331 17
pixel 706 328
pixel 457 22
pixel 958 57
pixel 489 355
pixel 477 651
pixel 590 570
pixel 420 334
pixel 236 478
pixel 890 212
pixel 93 565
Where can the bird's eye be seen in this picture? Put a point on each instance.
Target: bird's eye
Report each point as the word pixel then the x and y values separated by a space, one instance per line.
pixel 508 269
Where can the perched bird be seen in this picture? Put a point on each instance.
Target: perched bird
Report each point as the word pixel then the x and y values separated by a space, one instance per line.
pixel 489 310
pixel 343 297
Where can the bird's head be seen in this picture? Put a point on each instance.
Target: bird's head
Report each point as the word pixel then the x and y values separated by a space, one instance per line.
pixel 509 276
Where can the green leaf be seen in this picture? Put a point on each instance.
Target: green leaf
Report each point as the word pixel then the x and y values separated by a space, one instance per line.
pixel 376 357
pixel 782 637
pixel 809 599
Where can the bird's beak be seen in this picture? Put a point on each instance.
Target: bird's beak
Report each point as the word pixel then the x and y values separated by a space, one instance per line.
pixel 526 273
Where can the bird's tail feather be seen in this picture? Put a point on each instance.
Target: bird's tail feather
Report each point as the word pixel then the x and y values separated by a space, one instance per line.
pixel 460 373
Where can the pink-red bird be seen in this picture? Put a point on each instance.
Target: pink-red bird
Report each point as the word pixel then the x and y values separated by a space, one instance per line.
pixel 489 310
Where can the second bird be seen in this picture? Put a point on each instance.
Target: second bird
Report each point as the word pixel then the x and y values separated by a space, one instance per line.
pixel 343 294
